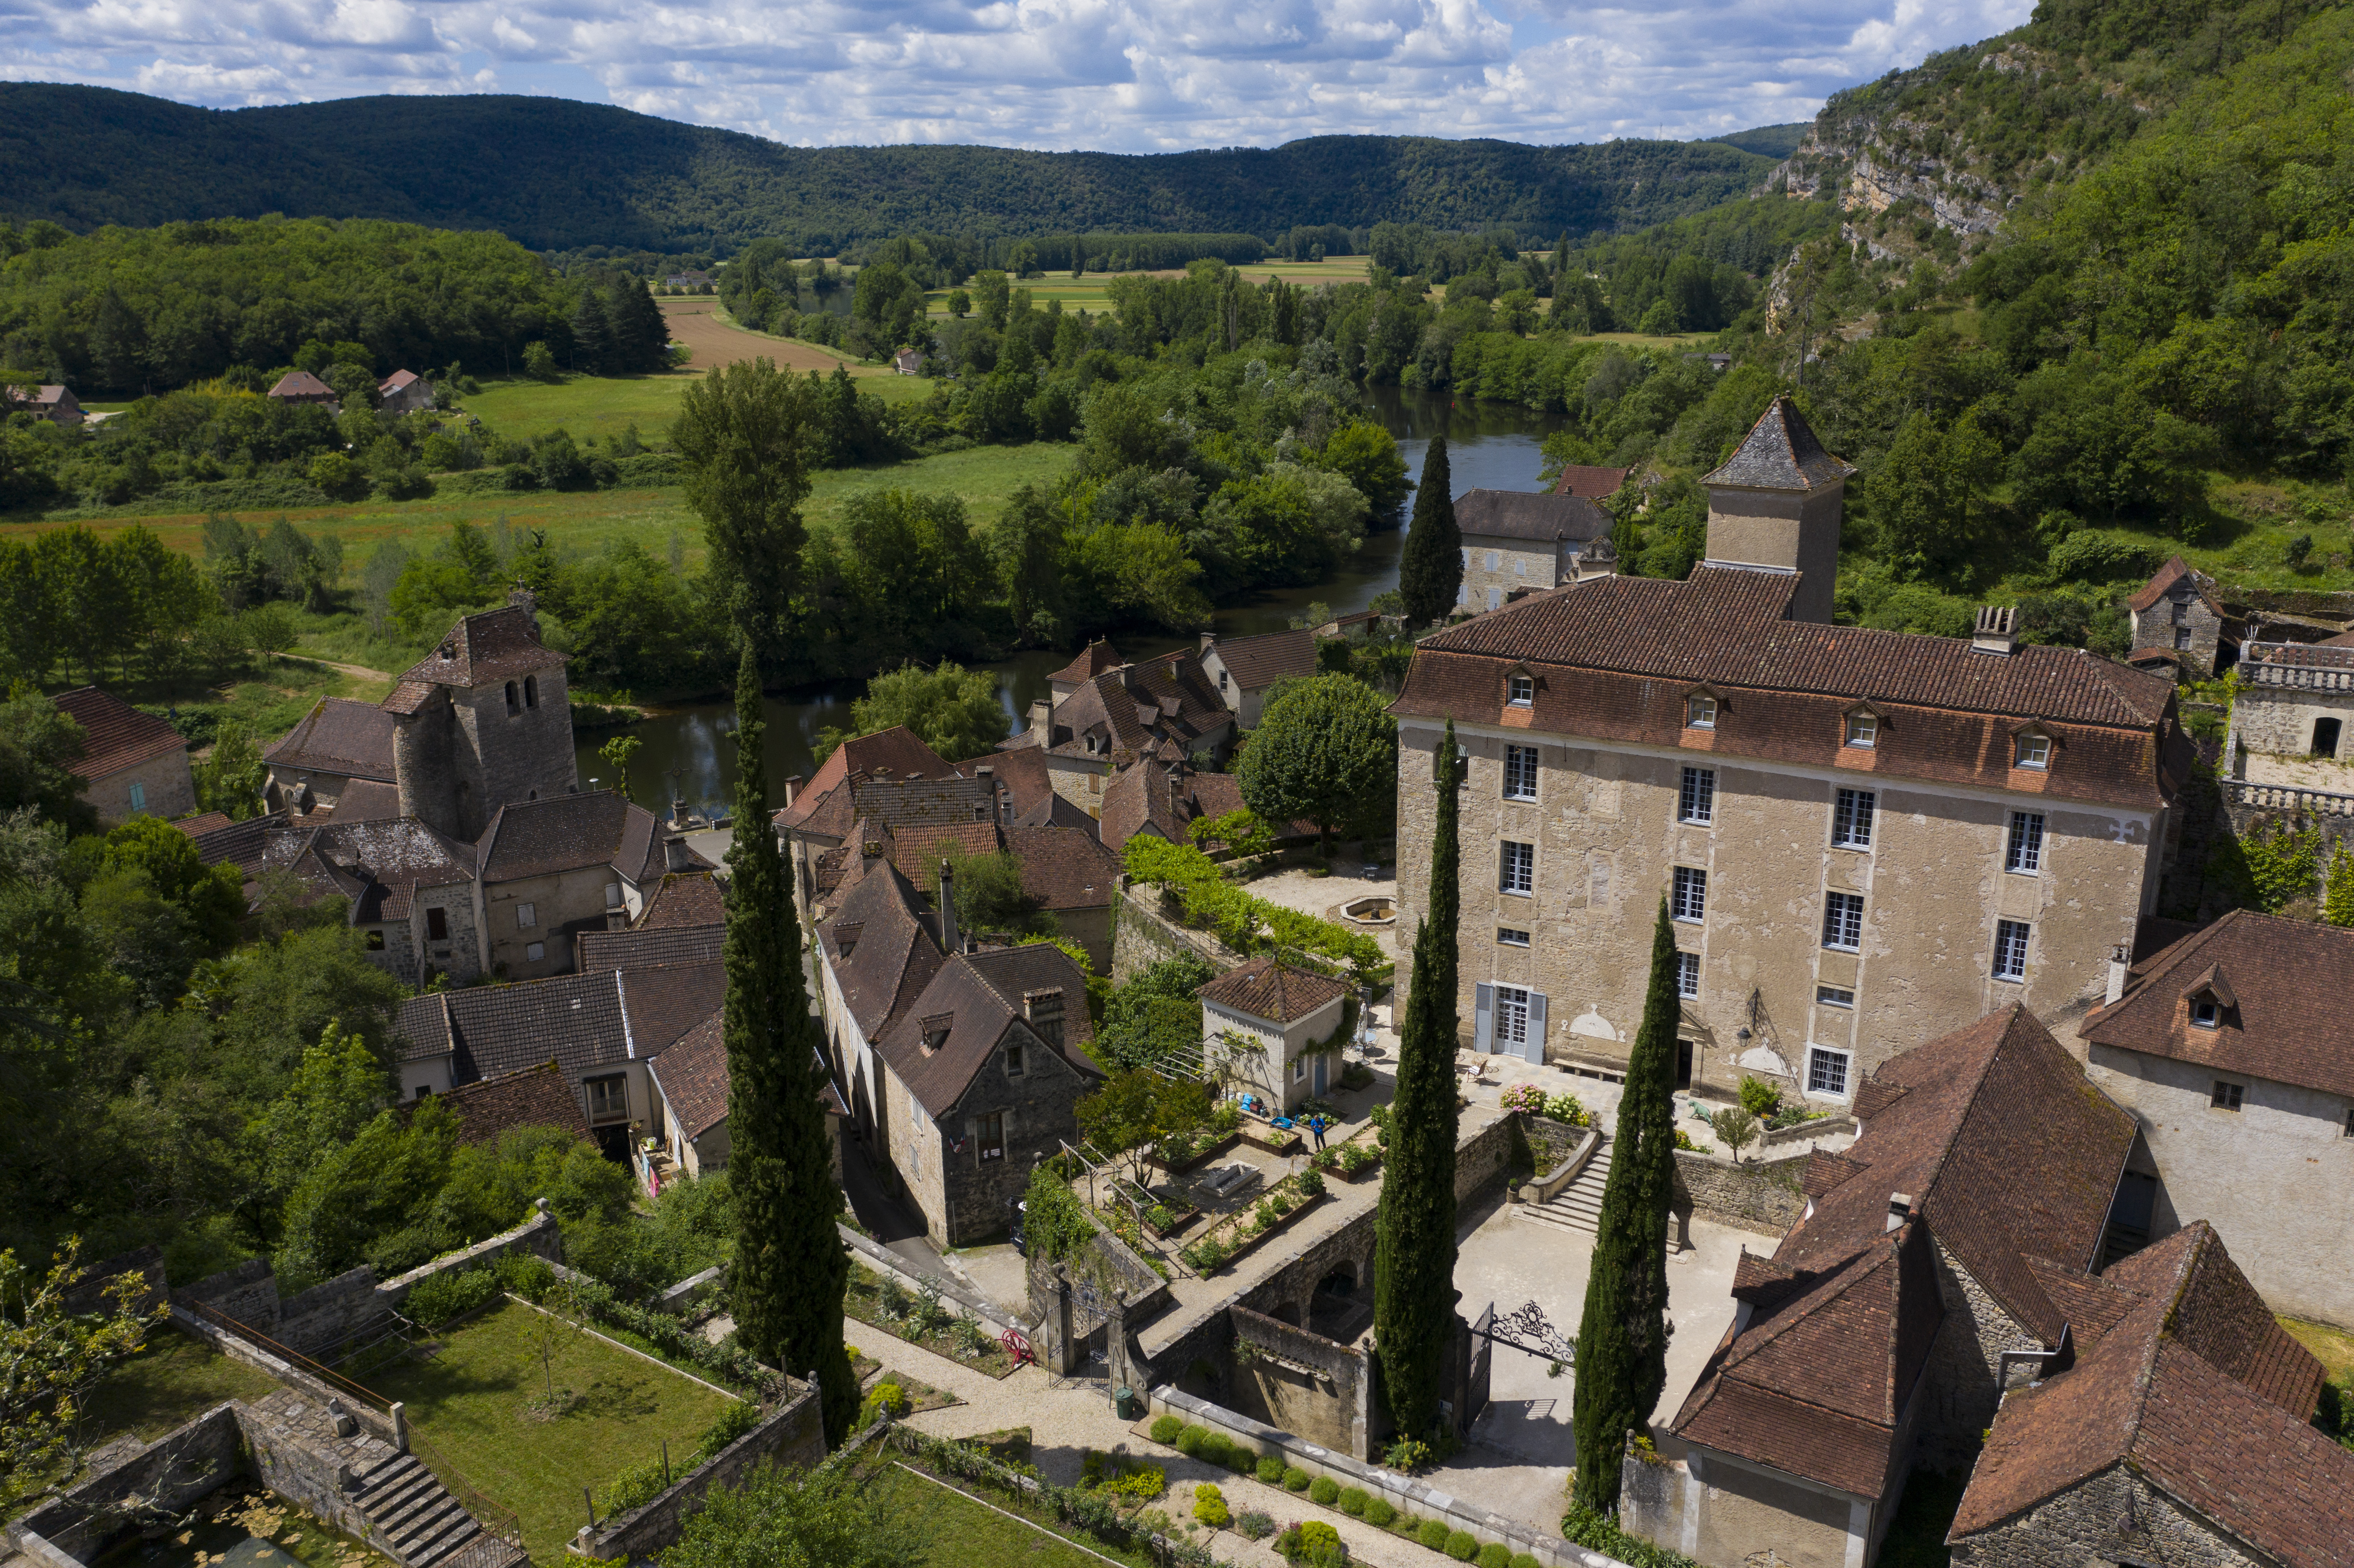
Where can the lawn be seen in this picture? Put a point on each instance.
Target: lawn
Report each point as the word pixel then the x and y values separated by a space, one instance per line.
pixel 2333 1348
pixel 981 1534
pixel 175 1380
pixel 584 405
pixel 470 1395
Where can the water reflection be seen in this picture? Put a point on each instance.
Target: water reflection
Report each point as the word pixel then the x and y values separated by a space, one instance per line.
pixel 691 751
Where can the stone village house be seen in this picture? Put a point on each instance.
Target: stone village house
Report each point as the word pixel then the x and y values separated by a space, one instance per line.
pixel 1245 668
pixel 1286 1014
pixel 1516 543
pixel 1107 714
pixel 2176 613
pixel 1860 833
pixel 131 763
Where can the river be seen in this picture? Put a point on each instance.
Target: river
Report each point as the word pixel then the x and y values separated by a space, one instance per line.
pixel 689 750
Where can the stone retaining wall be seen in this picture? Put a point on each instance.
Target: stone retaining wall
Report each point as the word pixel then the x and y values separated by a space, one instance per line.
pixel 244 1351
pixel 1301 1381
pixel 1145 935
pixel 1761 1196
pixel 793 1436
pixel 165 1477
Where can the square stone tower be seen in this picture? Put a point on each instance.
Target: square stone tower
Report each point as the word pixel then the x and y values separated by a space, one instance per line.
pixel 482 721
pixel 1774 505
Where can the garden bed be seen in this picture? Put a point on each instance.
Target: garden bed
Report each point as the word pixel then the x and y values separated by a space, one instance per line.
pixel 926 1321
pixel 1272 1139
pixel 1239 1233
pixel 1201 1156
pixel 1333 1159
pixel 915 1394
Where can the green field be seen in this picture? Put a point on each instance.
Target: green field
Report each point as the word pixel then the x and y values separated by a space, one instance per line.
pixel 1091 293
pixel 585 404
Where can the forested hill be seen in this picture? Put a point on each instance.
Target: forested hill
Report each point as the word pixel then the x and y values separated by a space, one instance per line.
pixel 554 174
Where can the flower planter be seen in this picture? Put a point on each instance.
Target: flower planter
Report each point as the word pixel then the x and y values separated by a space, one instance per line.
pixel 1249 1245
pixel 1203 1155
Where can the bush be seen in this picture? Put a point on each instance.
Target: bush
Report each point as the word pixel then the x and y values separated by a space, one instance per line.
pixel 1379 1511
pixel 1525 1560
pixel 449 1295
pixel 1253 1525
pixel 892 1399
pixel 1141 1482
pixel 1312 1184
pixel 1215 1446
pixel 1294 1479
pixel 1758 1098
pixel 1462 1545
pixel 1433 1533
pixel 733 1423
pixel 539 362
pixel 635 1487
pixel 2093 557
pixel 1353 1500
pixel 528 1275
pixel 1166 1427
pixel 1210 1507
pixel 1241 1460
pixel 1270 1469
pixel 337 477
pixel 1528 1097
pixel 1495 1554
pixel 1323 1489
pixel 1313 1541
pixel 1190 1440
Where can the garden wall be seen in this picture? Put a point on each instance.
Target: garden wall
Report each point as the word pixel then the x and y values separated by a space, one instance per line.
pixel 147 1262
pixel 1763 1195
pixel 1108 1265
pixel 1144 935
pixel 1301 1381
pixel 245 1352
pixel 166 1475
pixel 795 1435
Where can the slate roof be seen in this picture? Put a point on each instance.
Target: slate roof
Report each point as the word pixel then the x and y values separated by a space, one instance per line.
pixel 1055 810
pixel 495 645
pixel 1065 868
pixel 1543 517
pixel 365 800
pixel 685 898
pixel 1277 992
pixel 1257 662
pixel 891 956
pixel 582 1021
pixel 338 736
pixel 115 735
pixel 2175 570
pixel 529 1096
pixel 692 1074
pixel 897 752
pixel 1780 452
pixel 642 947
pixel 565 833
pixel 378 864
pixel 2008 1155
pixel 981 995
pixel 241 845
pixel 1592 484
pixel 2290 1014
pixel 2202 1394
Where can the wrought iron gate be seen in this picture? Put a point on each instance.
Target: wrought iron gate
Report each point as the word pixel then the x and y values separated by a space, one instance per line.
pixel 1476 1384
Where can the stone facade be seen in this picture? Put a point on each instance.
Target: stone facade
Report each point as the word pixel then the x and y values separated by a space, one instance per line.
pixel 159 786
pixel 1606 840
pixel 1143 935
pixel 421 945
pixel 2186 620
pixel 2113 1516
pixel 1301 1383
pixel 1762 1195
pixel 1783 530
pixel 791 1437
pixel 2292 724
pixel 1289 1068
pixel 462 752
pixel 964 1198
pixel 1494 569
pixel 561 906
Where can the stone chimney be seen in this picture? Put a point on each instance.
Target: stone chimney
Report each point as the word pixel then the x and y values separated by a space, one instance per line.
pixel 2119 963
pixel 987 776
pixel 792 787
pixel 948 909
pixel 1900 1209
pixel 1042 1010
pixel 1996 630
pixel 676 855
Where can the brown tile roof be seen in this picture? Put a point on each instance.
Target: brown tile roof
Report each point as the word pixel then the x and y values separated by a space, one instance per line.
pixel 1065 868
pixel 340 736
pixel 692 1074
pixel 2290 1017
pixel 918 851
pixel 1259 661
pixel 378 864
pixel 1277 992
pixel 529 1096
pixel 663 1001
pixel 582 1021
pixel 895 752
pixel 1780 452
pixel 301 384
pixel 2152 1394
pixel 1543 517
pixel 1054 810
pixel 642 947
pixel 2175 570
pixel 565 833
pixel 891 955
pixel 1022 772
pixel 115 735
pixel 1096 659
pixel 685 898
pixel 981 995
pixel 242 844
pixel 367 800
pixel 495 645
pixel 1592 483
pixel 198 826
pixel 409 697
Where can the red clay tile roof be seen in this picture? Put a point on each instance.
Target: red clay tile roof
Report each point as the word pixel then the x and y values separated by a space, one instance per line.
pixel 1255 662
pixel 339 736
pixel 2152 1395
pixel 918 851
pixel 1065 868
pixel 1541 518
pixel 2291 1015
pixel 529 1096
pixel 1780 452
pixel 198 826
pixel 115 735
pixel 892 954
pixel 1096 659
pixel 2175 570
pixel 692 1074
pixel 895 752
pixel 495 645
pixel 642 948
pixel 981 995
pixel 301 384
pixel 1022 772
pixel 685 898
pixel 1277 992
pixel 409 697
pixel 1592 484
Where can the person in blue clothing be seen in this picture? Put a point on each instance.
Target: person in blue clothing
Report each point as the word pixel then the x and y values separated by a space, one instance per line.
pixel 1316 1129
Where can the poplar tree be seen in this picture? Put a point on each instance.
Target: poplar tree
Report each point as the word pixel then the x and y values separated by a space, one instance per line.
pixel 1622 1343
pixel 789 1272
pixel 1430 573
pixel 1415 1293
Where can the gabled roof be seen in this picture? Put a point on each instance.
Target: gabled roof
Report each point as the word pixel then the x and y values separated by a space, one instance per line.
pixel 396 380
pixel 1054 810
pixel 565 833
pixel 1543 518
pixel 380 865
pixel 1258 663
pixel 1277 992
pixel 582 1021
pixel 1022 771
pixel 692 1074
pixel 2201 1395
pixel 640 946
pixel 2290 1017
pixel 500 644
pixel 2176 570
pixel 1065 868
pixel 1098 658
pixel 979 996
pixel 115 735
pixel 196 827
pixel 897 753
pixel 1780 452
pixel 892 956
pixel 242 844
pixel 341 736
pixel 529 1096
pixel 685 898
pixel 1592 484
pixel 301 384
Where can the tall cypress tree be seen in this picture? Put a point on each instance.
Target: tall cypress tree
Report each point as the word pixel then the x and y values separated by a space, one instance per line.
pixel 1414 1293
pixel 1430 572
pixel 790 1270
pixel 1622 1344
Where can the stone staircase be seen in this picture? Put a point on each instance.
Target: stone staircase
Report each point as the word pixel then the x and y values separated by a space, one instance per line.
pixel 409 1509
pixel 1578 1206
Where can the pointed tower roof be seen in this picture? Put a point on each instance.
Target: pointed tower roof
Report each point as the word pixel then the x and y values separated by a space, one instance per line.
pixel 1780 452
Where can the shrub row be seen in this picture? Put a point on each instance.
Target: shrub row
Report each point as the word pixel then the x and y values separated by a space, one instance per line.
pixel 1245 921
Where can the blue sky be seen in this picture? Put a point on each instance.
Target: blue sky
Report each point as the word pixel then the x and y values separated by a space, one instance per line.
pixel 1119 75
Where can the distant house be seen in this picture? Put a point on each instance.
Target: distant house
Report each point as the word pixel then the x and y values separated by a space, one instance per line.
pixel 301 387
pixel 131 762
pixel 55 403
pixel 909 362
pixel 2177 611
pixel 1589 483
pixel 405 392
pixel 1285 1013
pixel 1516 543
pixel 1244 667
pixel 689 279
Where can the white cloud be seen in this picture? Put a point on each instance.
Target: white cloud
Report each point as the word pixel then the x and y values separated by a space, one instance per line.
pixel 1121 75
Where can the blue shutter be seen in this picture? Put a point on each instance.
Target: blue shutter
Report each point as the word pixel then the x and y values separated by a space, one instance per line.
pixel 1483 1017
pixel 1535 1048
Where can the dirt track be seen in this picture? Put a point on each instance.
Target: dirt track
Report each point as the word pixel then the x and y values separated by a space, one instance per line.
pixel 692 320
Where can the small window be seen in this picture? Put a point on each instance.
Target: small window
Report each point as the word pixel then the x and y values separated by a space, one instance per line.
pixel 1517 868
pixel 2349 1121
pixel 989 1132
pixel 1688 975
pixel 2228 1094
pixel 513 705
pixel 437 924
pixel 1862 729
pixel 2024 853
pixel 1519 773
pixel 1299 1069
pixel 1834 996
pixel 2205 1013
pixel 1696 797
pixel 2182 639
pixel 1689 900
pixel 526 916
pixel 1524 690
pixel 1520 567
pixel 2034 750
pixel 1827 1070
pixel 138 796
pixel 1014 1061
pixel 531 691
pixel 534 952
pixel 421 1092
pixel 1843 922
pixel 1511 938
pixel 375 942
pixel 1851 819
pixel 1699 711
pixel 612 895
pixel 608 1099
pixel 2011 950
pixel 1222 680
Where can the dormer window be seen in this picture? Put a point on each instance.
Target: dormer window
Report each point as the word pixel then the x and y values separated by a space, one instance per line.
pixel 1863 728
pixel 2206 1013
pixel 1522 689
pixel 936 1031
pixel 1699 711
pixel 2032 749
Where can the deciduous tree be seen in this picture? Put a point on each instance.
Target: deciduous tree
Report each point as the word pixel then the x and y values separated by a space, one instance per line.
pixel 1325 750
pixel 745 431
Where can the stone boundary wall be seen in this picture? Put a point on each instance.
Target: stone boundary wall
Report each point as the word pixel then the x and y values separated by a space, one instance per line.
pixel 1404 1492
pixel 1144 936
pixel 1568 1163
pixel 147 1262
pixel 1347 1369
pixel 1824 1127
pixel 1109 1263
pixel 244 1351
pixel 875 1254
pixel 167 1475
pixel 795 1434
pixel 1764 1196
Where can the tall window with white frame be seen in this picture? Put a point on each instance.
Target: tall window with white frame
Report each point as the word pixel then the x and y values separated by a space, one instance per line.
pixel 2011 950
pixel 1696 798
pixel 1688 975
pixel 1688 901
pixel 1519 773
pixel 1517 868
pixel 1511 1035
pixel 2024 852
pixel 1843 922
pixel 1851 816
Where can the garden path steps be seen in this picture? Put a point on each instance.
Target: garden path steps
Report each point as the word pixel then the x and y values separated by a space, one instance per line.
pixel 411 1514
pixel 1578 1206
